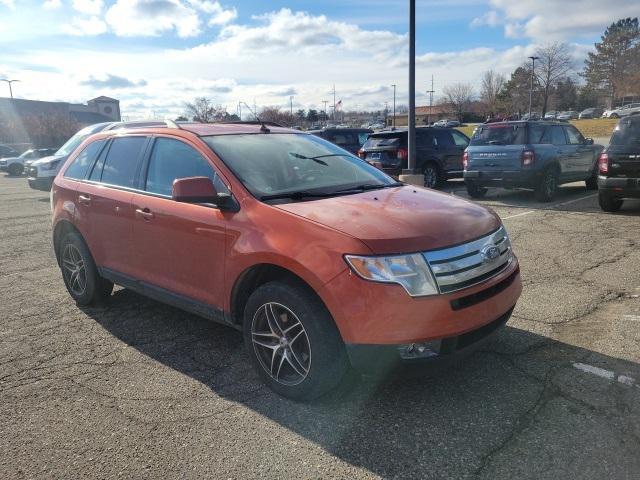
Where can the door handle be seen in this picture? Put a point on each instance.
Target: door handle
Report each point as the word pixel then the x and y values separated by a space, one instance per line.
pixel 83 199
pixel 145 213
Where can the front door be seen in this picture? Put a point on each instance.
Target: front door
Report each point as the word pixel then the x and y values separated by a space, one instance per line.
pixel 582 154
pixel 179 247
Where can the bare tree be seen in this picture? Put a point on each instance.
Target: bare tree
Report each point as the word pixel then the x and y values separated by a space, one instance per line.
pixel 459 96
pixel 553 65
pixel 200 110
pixel 276 115
pixel 492 83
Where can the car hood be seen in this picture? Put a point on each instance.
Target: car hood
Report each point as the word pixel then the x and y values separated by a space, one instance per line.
pixel 48 159
pixel 401 219
pixel 10 158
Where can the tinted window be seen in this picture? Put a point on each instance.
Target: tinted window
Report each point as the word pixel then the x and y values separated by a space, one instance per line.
pixel 122 161
pixel 362 137
pixel 344 138
pixel 574 136
pixel 500 134
pixel 381 141
pixel 443 138
pixel 173 159
pixel 557 135
pixel 80 165
pixel 459 139
pixel 424 140
pixel 626 134
pixel 537 134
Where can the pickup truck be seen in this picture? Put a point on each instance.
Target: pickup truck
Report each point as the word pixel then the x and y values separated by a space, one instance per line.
pixel 538 155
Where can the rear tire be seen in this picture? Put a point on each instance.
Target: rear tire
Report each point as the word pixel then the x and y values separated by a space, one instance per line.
pixel 80 273
pixel 15 169
pixel 293 342
pixel 475 191
pixel 592 181
pixel 608 203
pixel 432 175
pixel 548 186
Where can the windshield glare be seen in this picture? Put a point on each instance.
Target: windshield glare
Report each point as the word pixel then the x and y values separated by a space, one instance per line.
pixel 269 164
pixel 626 134
pixel 73 142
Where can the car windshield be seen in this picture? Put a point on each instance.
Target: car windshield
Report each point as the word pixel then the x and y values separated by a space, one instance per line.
pixel 499 134
pixel 28 154
pixel 74 141
pixel 626 134
pixel 270 165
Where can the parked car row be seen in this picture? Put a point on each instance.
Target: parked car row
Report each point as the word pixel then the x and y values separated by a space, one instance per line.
pixel 623 111
pixel 16 165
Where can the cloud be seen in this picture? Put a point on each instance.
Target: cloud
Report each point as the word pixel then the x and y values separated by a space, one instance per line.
pixel 112 81
pixel 8 3
pixel 129 18
pixel 89 7
pixel 559 19
pixel 52 4
pixel 85 26
pixel 218 14
pixel 490 19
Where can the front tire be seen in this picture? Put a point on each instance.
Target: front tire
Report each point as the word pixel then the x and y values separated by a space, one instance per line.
pixel 475 191
pixel 79 272
pixel 608 203
pixel 293 342
pixel 548 186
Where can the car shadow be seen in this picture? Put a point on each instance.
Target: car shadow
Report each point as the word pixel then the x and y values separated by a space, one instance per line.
pixel 407 425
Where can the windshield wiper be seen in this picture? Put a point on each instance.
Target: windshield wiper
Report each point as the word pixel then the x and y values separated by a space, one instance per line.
pixel 369 186
pixel 297 195
pixel 318 157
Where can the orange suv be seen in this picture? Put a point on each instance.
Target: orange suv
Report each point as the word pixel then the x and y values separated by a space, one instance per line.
pixel 322 260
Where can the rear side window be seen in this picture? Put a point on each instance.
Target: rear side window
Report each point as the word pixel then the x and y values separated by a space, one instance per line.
pixel 500 134
pixel 424 140
pixel 80 165
pixel 443 138
pixel 627 133
pixel 172 159
pixel 459 139
pixel 574 136
pixel 362 137
pixel 122 161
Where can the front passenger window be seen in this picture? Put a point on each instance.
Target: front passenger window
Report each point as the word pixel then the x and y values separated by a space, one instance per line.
pixel 575 137
pixel 172 159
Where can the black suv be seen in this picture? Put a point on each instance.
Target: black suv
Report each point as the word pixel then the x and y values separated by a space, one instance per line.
pixel 438 152
pixel 351 139
pixel 619 165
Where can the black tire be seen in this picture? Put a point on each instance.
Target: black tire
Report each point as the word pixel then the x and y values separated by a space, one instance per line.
pixel 592 181
pixel 614 115
pixel 94 289
pixel 15 169
pixel 322 359
pixel 432 175
pixel 475 191
pixel 609 203
pixel 547 186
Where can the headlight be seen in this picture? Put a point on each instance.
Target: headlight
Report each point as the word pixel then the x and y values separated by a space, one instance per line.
pixel 50 165
pixel 410 271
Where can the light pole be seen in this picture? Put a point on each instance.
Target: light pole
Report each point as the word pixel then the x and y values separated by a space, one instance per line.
pixel 394 105
pixel 291 106
pixel 9 82
pixel 325 111
pixel 411 160
pixel 533 73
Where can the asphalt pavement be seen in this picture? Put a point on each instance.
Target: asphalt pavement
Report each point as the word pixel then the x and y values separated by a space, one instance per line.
pixel 142 390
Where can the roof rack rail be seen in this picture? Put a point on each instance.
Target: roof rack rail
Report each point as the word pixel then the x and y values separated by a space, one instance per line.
pixel 255 122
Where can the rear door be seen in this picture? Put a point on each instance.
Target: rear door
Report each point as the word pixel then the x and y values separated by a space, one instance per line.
pixel 582 159
pixel 448 152
pixel 104 203
pixel 179 247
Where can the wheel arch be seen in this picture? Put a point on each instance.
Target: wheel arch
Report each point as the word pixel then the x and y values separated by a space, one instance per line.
pixel 62 228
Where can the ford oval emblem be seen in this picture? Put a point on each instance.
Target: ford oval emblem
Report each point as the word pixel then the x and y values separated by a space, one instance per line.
pixel 490 253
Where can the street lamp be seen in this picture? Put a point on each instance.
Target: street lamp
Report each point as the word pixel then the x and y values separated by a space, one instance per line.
pixel 533 73
pixel 394 105
pixel 9 82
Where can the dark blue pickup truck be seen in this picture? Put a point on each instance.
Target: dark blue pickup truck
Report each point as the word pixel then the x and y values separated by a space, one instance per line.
pixel 539 155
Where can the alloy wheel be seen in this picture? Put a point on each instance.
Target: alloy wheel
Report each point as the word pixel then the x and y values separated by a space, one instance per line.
pixel 430 177
pixel 74 270
pixel 281 344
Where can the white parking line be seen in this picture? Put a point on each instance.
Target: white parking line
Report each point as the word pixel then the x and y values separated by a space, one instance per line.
pixel 608 374
pixel 551 207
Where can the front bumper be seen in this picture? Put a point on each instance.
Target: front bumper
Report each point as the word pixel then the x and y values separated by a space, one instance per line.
pixel 380 358
pixel 40 183
pixel 503 178
pixel 619 187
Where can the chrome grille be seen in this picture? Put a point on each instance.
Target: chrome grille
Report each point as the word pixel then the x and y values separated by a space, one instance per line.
pixel 32 171
pixel 460 267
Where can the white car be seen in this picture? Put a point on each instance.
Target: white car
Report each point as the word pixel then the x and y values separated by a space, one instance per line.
pixel 618 112
pixel 16 165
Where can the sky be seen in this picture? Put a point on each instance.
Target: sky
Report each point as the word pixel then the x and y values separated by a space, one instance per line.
pixel 155 55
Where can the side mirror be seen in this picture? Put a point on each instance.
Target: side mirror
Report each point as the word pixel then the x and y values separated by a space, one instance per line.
pixel 588 141
pixel 197 190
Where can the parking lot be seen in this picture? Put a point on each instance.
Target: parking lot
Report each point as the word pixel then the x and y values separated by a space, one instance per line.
pixel 142 390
